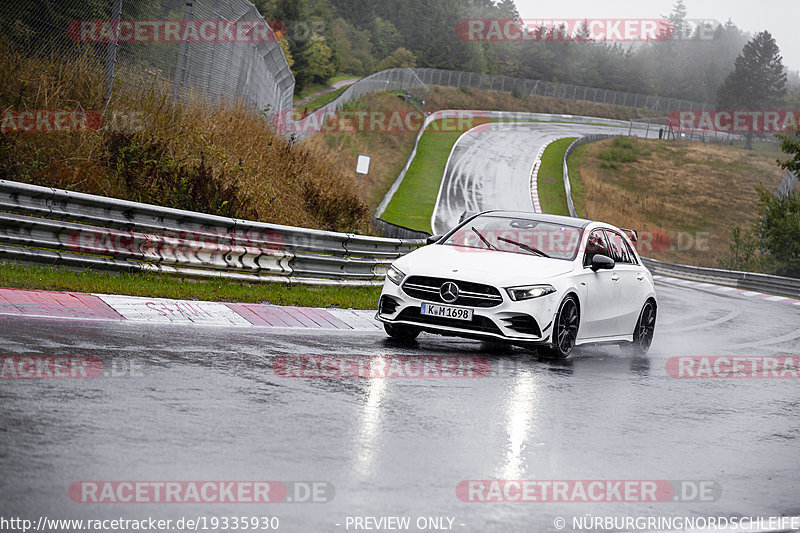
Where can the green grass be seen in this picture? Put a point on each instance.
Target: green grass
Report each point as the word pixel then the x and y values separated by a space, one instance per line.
pixel 412 204
pixel 573 163
pixel 327 98
pixel 550 180
pixel 312 88
pixel 161 286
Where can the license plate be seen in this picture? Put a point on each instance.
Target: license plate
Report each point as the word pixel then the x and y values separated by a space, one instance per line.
pixel 457 313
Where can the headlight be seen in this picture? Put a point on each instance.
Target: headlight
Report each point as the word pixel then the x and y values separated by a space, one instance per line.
pixel 395 275
pixel 529 291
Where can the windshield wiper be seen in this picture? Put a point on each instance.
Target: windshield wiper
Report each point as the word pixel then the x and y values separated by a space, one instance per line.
pixel 484 239
pixel 524 247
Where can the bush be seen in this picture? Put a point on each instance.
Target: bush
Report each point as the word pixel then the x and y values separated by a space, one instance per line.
pixel 773 244
pixel 623 150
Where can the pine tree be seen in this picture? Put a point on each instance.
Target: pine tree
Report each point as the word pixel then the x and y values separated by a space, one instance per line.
pixel 758 80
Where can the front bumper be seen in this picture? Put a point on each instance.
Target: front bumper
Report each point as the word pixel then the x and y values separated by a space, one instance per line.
pixel 524 322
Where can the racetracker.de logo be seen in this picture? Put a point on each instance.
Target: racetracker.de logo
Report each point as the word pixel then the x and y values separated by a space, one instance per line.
pixel 543 30
pixel 391 121
pixel 43 367
pixel 741 121
pixel 171 31
pixel 734 367
pixel 50 121
pixel 400 367
pixel 209 492
pixel 585 491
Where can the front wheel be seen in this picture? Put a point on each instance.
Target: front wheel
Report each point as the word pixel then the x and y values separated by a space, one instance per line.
pixel 644 332
pixel 565 329
pixel 401 332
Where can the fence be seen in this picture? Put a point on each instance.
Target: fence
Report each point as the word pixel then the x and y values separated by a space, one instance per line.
pixel 223 49
pixel 418 80
pixel 51 226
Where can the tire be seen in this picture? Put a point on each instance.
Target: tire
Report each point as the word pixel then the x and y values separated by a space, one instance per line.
pixel 565 329
pixel 401 332
pixel 644 332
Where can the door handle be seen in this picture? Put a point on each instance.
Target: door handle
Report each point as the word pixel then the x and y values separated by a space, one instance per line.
pixel 640 277
pixel 615 277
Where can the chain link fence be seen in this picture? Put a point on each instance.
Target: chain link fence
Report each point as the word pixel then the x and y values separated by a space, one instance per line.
pixel 417 81
pixel 220 50
pixel 523 87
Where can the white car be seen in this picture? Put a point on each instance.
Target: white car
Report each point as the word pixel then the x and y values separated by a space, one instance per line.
pixel 524 278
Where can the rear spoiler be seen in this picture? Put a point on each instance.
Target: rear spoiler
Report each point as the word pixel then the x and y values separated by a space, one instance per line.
pixel 632 235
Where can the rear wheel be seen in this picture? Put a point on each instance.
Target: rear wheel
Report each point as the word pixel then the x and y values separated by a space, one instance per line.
pixel 644 332
pixel 401 332
pixel 565 329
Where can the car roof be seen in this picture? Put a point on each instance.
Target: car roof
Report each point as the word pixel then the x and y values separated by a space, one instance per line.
pixel 553 219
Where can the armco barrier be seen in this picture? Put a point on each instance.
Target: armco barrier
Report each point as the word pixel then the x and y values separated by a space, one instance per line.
pixel 39 225
pixel 567 186
pixel 742 280
pixel 53 226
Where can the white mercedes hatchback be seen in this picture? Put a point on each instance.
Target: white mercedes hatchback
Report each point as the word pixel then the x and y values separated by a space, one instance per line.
pixel 523 278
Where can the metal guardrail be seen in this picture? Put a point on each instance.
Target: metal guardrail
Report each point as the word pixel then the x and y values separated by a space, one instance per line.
pixel 53 226
pixel 787 185
pixel 732 278
pixel 567 186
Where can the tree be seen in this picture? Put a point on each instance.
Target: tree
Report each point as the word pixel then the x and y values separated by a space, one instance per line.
pixel 319 60
pixel 677 19
pixel 290 12
pixel 773 244
pixel 352 47
pixel 400 58
pixel 758 80
pixel 779 230
pixel 385 37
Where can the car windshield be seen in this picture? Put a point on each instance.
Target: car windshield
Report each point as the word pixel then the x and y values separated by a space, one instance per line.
pixel 518 235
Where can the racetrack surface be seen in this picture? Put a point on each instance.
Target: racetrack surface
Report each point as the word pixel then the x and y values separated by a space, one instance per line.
pixel 490 167
pixel 205 403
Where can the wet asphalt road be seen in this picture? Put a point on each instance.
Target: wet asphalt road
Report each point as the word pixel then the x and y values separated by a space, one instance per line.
pixel 490 167
pixel 205 404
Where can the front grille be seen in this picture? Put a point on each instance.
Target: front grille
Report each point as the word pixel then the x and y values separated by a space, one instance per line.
pixel 470 294
pixel 524 324
pixel 478 323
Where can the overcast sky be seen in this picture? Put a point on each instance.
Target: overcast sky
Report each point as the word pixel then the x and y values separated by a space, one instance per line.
pixel 779 17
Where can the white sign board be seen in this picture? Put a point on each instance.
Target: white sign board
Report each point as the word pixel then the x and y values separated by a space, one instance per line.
pixel 362 166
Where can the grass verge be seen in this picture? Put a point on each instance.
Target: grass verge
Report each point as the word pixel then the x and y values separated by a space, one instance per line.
pixel 325 99
pixel 160 286
pixel 550 180
pixel 412 205
pixel 312 88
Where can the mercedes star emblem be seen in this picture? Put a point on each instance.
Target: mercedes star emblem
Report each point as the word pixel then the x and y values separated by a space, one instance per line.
pixel 449 292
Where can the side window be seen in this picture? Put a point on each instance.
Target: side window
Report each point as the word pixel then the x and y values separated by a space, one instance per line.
pixel 620 250
pixel 595 245
pixel 632 255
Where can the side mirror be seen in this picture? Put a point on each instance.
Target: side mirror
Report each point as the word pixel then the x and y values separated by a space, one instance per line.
pixel 602 262
pixel 433 239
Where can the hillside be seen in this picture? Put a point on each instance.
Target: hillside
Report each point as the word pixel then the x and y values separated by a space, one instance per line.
pixel 684 198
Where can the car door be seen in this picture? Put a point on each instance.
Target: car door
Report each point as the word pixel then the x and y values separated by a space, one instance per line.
pixel 631 282
pixel 600 313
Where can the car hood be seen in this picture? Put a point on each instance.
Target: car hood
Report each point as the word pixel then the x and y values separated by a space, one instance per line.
pixel 483 266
